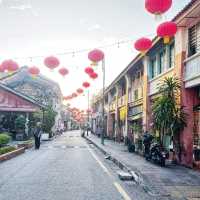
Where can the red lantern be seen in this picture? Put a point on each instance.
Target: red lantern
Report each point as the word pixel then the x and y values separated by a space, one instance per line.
pixel 63 71
pixel 143 44
pixel 86 84
pixel 158 7
pixel 94 75
pixel 89 70
pixel 67 98
pixel 34 71
pixel 89 111
pixel 167 30
pixel 10 65
pixel 96 56
pixel 51 62
pixel 74 95
pixel 79 90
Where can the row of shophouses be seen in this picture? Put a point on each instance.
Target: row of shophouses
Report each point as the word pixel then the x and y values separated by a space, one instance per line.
pixel 128 99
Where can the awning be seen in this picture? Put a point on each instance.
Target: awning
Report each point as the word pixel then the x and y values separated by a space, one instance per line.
pixel 135 117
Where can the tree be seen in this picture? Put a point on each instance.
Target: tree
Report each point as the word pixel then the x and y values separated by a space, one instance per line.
pixel 20 122
pixel 169 117
pixel 49 120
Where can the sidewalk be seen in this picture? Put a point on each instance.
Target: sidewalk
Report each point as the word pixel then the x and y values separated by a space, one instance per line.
pixel 175 181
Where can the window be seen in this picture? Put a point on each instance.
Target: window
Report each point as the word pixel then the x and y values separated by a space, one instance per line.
pixel 136 95
pixel 171 55
pixel 153 68
pixel 161 62
pixel 194 40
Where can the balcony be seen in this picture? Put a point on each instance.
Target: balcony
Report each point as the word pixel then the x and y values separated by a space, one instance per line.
pixel 192 71
pixel 157 81
pixel 122 101
pixel 112 106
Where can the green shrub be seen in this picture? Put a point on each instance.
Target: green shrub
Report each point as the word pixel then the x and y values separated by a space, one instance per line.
pixel 4 139
pixel 20 122
pixel 4 150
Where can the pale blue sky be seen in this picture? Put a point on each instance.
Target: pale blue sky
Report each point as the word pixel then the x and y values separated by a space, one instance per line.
pixel 34 27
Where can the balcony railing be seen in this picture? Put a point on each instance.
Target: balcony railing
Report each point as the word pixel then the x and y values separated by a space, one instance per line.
pixel 155 83
pixel 192 70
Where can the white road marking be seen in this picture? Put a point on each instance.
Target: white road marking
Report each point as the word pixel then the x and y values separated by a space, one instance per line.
pixel 99 162
pixel 122 191
pixel 116 184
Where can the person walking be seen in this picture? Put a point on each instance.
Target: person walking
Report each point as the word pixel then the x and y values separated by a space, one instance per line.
pixel 37 135
pixel 147 139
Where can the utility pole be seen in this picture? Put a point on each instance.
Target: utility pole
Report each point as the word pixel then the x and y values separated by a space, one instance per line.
pixel 103 121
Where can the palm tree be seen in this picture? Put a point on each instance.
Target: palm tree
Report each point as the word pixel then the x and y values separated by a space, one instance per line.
pixel 169 117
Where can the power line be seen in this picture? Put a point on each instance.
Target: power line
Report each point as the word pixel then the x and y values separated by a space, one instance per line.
pixel 73 53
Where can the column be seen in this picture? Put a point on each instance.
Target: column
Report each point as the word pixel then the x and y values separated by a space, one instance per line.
pixel 108 116
pixel 116 112
pixel 145 94
pixel 128 86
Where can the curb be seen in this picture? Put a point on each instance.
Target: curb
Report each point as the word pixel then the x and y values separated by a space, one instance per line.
pixel 136 177
pixel 12 154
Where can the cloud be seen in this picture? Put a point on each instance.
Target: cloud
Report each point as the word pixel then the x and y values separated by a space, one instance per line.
pixel 95 27
pixel 83 21
pixel 25 7
pixel 21 7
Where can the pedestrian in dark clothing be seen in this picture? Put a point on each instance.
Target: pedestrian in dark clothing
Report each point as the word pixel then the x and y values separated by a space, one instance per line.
pixel 37 135
pixel 147 139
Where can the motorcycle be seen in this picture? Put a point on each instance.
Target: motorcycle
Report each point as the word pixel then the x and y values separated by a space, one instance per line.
pixel 158 155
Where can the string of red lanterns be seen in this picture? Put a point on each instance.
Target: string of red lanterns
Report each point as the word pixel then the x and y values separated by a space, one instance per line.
pixel 165 30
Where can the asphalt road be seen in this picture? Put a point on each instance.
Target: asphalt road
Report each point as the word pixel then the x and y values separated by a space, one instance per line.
pixel 66 168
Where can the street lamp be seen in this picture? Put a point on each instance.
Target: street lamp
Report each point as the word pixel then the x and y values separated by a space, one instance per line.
pixel 96 56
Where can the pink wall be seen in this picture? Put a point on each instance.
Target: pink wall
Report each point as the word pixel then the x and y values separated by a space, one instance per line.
pixel 11 102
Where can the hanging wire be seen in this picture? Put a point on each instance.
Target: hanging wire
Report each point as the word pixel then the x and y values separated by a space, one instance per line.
pixel 73 53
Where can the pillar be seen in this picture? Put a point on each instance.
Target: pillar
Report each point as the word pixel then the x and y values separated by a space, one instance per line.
pixel 186 98
pixel 145 94
pixel 128 86
pixel 116 112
